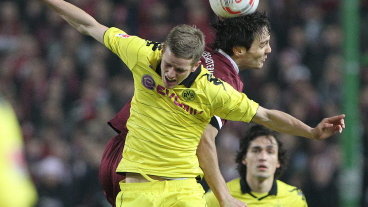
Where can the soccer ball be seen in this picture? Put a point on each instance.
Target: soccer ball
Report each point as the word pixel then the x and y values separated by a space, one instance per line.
pixel 233 8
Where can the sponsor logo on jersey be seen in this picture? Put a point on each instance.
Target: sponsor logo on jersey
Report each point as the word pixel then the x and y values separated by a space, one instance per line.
pixel 188 95
pixel 148 82
pixel 176 100
pixel 122 35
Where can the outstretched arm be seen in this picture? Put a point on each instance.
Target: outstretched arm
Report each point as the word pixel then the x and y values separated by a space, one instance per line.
pixel 285 123
pixel 207 156
pixel 78 18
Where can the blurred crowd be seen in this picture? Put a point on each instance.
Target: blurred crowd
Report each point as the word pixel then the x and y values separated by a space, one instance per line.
pixel 65 87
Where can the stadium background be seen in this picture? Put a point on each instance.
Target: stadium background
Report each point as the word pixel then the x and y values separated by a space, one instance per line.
pixel 65 86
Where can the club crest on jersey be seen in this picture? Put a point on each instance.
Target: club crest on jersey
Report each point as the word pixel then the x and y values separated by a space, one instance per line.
pixel 188 95
pixel 148 82
pixel 122 35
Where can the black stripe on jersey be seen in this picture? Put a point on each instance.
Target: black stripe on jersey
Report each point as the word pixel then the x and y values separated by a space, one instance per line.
pixel 246 189
pixel 188 82
pixel 158 69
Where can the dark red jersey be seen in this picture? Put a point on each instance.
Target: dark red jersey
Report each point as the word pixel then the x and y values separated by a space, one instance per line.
pixel 222 66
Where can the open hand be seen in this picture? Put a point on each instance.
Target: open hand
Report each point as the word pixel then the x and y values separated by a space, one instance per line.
pixel 329 126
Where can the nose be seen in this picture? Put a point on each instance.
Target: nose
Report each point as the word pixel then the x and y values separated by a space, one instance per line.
pixel 268 49
pixel 262 155
pixel 170 73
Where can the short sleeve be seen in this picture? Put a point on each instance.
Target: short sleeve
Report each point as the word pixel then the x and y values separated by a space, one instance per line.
pixel 228 103
pixel 300 200
pixel 125 46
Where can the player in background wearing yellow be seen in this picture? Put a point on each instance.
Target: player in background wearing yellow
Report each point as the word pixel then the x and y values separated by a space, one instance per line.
pixel 174 100
pixel 261 159
pixel 16 188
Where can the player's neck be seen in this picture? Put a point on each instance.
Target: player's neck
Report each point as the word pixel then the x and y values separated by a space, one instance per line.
pixel 260 185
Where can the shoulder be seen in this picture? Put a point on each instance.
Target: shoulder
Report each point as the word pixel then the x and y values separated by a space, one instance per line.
pixel 114 33
pixel 292 192
pixel 207 78
pixel 286 188
pixel 234 186
pixel 4 104
pixel 116 36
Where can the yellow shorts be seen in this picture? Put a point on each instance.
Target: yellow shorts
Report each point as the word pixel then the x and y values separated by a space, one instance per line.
pixel 168 193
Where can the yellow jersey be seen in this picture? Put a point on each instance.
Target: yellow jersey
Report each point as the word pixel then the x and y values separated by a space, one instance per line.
pixel 280 195
pixel 165 125
pixel 16 189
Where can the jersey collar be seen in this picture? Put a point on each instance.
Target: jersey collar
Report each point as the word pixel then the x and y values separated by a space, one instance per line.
pixel 235 66
pixel 246 189
pixel 188 82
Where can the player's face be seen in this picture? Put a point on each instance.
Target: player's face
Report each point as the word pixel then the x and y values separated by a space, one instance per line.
pixel 262 158
pixel 255 57
pixel 174 70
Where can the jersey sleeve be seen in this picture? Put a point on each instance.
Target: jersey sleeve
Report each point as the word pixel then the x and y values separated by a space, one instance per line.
pixel 300 200
pixel 126 47
pixel 228 103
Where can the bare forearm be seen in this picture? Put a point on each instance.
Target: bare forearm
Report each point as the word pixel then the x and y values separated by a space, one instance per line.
pixel 208 161
pixel 284 123
pixel 71 13
pixel 77 18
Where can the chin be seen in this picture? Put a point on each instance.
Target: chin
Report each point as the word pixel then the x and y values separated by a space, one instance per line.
pixel 263 175
pixel 256 67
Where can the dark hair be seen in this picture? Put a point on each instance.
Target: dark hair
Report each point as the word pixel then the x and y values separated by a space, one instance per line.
pixel 240 31
pixel 186 42
pixel 254 132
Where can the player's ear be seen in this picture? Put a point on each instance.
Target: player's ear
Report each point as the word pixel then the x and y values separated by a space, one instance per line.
pixel 195 66
pixel 239 50
pixel 244 161
pixel 163 49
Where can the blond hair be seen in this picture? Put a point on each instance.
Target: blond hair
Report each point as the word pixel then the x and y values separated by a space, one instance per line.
pixel 186 42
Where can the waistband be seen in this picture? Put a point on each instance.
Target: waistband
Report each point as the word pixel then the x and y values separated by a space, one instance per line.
pixel 189 184
pixel 143 178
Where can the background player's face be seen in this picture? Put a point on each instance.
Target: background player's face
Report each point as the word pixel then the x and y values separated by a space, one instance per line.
pixel 255 57
pixel 174 70
pixel 262 158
